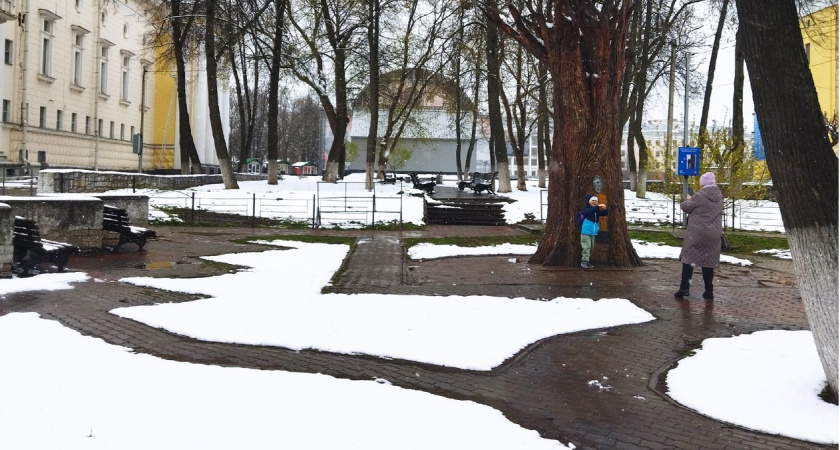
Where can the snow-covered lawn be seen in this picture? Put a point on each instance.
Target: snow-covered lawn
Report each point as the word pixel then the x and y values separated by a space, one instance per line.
pixel 348 204
pixel 79 392
pixel 474 332
pixel 62 390
pixel 767 381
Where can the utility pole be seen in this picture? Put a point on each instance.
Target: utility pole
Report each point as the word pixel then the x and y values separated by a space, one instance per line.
pixel 685 132
pixel 142 117
pixel 685 118
pixel 670 133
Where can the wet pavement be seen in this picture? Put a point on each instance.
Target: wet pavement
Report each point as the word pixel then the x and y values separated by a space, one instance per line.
pixel 545 387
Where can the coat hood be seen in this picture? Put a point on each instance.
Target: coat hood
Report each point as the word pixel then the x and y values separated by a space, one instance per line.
pixel 712 193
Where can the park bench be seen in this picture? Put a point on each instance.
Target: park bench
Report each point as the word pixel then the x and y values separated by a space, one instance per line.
pixel 428 186
pixel 484 183
pixel 469 183
pixel 389 179
pixel 116 220
pixel 30 250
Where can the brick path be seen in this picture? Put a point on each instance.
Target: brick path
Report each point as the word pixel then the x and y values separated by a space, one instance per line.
pixel 544 387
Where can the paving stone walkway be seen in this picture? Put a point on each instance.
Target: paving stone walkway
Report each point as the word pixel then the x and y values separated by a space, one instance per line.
pixel 545 387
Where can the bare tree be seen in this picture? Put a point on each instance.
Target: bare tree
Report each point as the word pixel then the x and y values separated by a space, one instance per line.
pixel 374 17
pixel 465 73
pixel 273 88
pixel 655 24
pixel 326 34
pixel 498 149
pixel 710 77
pixel 801 161
pixel 520 69
pixel 219 140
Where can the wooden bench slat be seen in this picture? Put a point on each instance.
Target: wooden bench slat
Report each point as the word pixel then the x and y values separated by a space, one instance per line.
pixel 30 250
pixel 117 220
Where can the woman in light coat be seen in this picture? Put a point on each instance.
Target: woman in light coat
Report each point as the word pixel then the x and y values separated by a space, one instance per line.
pixel 701 246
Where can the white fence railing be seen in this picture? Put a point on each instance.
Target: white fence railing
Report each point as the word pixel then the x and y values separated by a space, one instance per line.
pixel 750 215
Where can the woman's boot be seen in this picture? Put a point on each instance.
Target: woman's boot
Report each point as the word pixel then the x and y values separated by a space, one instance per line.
pixel 708 280
pixel 685 281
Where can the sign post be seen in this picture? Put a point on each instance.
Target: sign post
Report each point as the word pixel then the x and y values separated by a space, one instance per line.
pixel 688 165
pixel 137 148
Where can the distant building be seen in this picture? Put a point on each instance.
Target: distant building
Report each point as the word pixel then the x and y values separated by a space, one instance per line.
pixel 430 137
pixel 819 35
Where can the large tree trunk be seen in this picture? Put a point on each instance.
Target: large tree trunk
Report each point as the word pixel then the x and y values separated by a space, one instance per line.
pixel 459 113
pixel 542 125
pixel 586 114
pixel 738 96
pixel 338 124
pixel 630 89
pixel 498 148
pixel 373 91
pixel 213 101
pixel 190 162
pixel 243 105
pixel 473 119
pixel 635 132
pixel 801 161
pixel 273 92
pixel 638 110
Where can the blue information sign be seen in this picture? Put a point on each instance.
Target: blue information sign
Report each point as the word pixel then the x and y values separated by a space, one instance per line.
pixel 688 161
pixel 758 144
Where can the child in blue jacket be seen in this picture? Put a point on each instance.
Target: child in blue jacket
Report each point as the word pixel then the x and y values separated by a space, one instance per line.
pixel 589 228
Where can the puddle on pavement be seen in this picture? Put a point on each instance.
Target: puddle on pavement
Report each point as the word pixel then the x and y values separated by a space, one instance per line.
pixel 157 265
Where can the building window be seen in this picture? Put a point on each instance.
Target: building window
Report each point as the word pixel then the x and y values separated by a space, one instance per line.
pixel 58 116
pixel 46 46
pixel 48 20
pixel 73 118
pixel 103 67
pixel 7 57
pixel 111 134
pixel 99 127
pixel 808 53
pixel 78 53
pixel 87 124
pixel 122 131
pixel 131 135
pixel 125 60
pixel 42 117
pixel 7 110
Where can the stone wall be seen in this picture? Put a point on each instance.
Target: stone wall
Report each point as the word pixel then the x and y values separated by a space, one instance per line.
pixel 87 181
pixel 76 220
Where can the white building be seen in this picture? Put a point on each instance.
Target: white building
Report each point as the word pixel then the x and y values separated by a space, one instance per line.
pixel 75 74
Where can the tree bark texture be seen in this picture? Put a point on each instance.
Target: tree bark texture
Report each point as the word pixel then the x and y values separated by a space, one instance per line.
pixel 801 161
pixel 213 101
pixel 190 162
pixel 273 92
pixel 494 108
pixel 584 51
pixel 373 91
pixel 738 96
